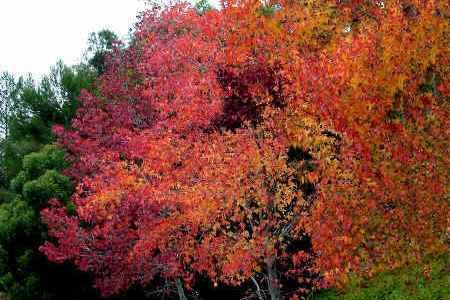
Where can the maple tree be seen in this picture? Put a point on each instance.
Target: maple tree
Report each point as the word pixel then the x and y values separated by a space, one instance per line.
pixel 296 142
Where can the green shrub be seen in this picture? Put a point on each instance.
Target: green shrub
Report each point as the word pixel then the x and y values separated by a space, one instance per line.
pixel 427 281
pixel 50 185
pixel 16 218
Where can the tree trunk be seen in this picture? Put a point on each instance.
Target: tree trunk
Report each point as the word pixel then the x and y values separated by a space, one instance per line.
pixel 258 289
pixel 180 290
pixel 273 285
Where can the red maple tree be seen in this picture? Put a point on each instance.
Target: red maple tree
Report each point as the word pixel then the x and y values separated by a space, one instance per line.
pixel 304 141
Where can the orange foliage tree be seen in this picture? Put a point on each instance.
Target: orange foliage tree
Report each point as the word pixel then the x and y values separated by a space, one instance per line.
pixel 287 144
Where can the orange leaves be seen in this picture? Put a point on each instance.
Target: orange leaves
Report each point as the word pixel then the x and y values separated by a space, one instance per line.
pixel 311 134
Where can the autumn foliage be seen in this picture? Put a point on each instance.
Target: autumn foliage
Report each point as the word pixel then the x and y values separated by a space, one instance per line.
pixel 297 141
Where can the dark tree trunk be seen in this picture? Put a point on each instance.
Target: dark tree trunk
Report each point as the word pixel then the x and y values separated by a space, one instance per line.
pixel 180 290
pixel 258 289
pixel 272 281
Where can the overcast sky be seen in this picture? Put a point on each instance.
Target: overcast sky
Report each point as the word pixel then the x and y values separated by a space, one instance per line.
pixel 34 34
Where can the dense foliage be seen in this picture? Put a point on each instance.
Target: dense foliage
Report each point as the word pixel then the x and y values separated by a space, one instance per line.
pixel 31 109
pixel 32 173
pixel 287 145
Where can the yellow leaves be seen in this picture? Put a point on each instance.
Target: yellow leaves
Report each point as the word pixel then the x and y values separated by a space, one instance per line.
pixel 306 133
pixel 349 102
pixel 105 203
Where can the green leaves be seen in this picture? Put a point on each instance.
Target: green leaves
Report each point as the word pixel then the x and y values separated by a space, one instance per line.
pixel 418 282
pixel 202 6
pixel 31 168
pixel 40 178
pixel 50 185
pixel 100 45
pixel 16 219
pixel 49 158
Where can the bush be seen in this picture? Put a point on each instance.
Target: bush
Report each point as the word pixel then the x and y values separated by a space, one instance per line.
pixel 427 281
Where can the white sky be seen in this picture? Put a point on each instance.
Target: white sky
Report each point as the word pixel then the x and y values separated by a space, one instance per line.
pixel 34 34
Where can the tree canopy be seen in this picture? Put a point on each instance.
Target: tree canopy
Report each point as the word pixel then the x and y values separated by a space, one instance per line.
pixel 289 143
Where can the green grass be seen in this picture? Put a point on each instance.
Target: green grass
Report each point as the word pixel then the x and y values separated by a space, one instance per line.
pixel 401 284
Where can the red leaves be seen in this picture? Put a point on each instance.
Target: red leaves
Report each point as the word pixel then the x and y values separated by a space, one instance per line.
pixel 183 163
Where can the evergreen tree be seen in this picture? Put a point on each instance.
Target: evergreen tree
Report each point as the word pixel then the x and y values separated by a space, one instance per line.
pixel 31 167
